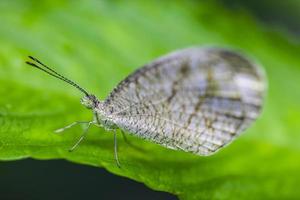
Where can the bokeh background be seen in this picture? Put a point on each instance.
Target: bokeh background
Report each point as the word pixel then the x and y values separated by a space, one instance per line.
pixel 98 43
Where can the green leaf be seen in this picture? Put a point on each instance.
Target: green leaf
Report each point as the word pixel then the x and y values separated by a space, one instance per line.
pixel 98 43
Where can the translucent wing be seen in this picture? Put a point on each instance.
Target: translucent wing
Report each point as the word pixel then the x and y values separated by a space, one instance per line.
pixel 196 99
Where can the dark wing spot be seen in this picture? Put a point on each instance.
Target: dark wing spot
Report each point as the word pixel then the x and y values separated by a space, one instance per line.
pixel 238 62
pixel 182 73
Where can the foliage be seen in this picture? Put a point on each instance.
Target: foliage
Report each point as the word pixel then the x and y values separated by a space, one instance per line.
pixel 98 43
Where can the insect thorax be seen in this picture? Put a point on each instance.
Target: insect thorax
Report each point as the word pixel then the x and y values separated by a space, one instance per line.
pixel 102 118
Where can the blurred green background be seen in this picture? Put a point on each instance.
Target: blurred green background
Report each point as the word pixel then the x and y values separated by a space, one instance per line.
pixel 99 43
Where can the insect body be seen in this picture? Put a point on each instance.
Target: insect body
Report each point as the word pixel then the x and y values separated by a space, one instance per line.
pixel 195 99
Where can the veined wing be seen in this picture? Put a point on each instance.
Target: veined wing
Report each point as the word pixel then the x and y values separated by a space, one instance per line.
pixel 196 99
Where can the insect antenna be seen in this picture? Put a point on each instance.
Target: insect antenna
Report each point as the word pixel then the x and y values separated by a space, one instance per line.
pixel 41 66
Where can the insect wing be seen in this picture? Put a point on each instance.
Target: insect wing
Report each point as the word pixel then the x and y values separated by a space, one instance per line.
pixel 196 99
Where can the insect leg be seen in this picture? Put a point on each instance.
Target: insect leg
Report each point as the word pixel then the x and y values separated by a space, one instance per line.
pixel 69 126
pixel 116 148
pixel 129 143
pixel 82 136
pixel 125 138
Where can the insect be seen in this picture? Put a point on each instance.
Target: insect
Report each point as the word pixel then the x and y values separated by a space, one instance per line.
pixel 195 99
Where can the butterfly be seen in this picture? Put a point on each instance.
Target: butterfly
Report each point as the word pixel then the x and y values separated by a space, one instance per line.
pixel 196 99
